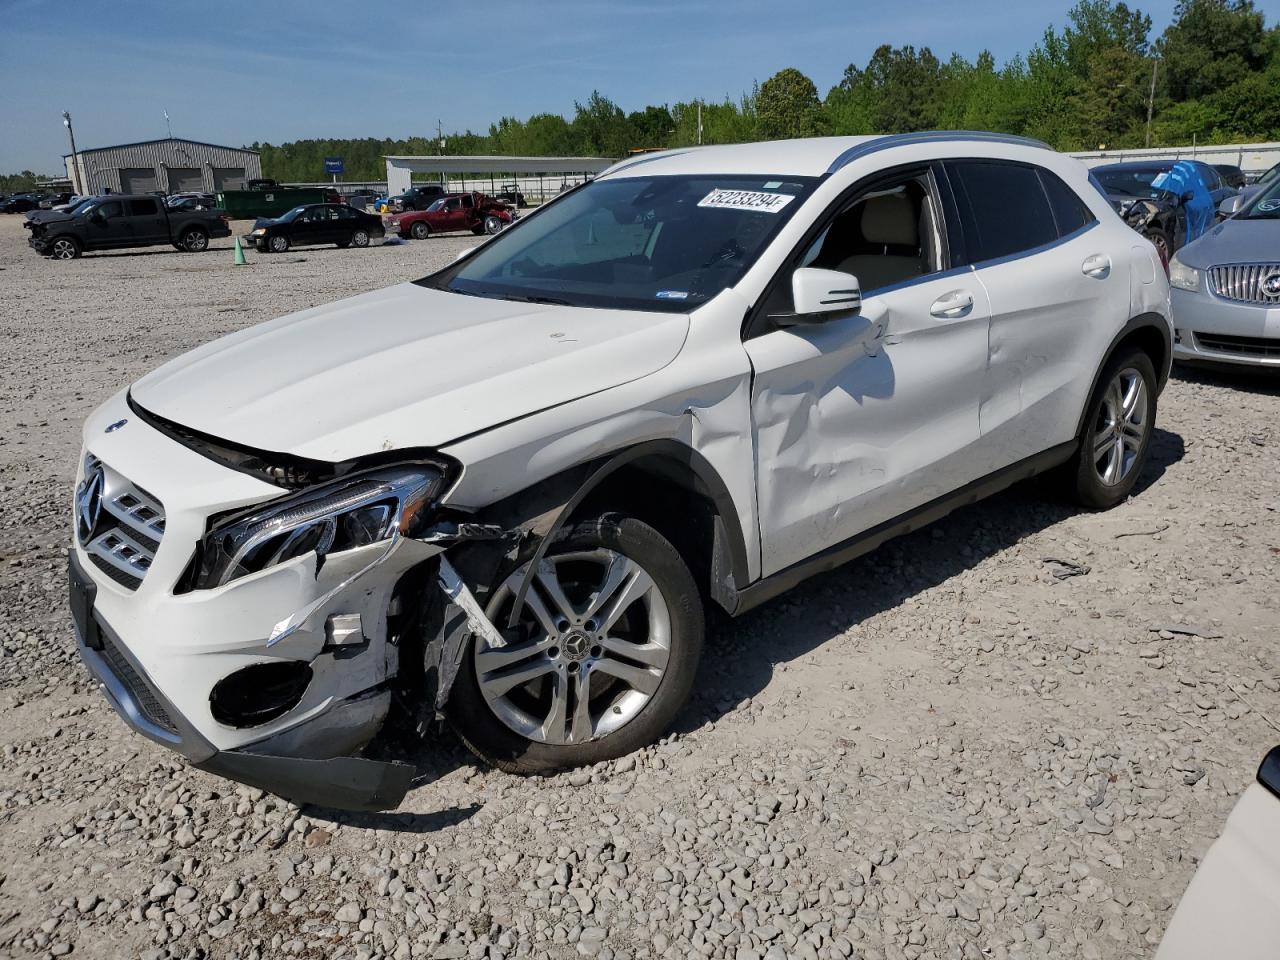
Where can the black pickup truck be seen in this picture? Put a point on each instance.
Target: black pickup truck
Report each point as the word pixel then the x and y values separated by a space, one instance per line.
pixel 119 220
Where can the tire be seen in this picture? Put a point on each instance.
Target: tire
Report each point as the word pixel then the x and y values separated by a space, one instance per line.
pixel 503 727
pixel 64 248
pixel 279 243
pixel 359 238
pixel 1163 242
pixel 194 240
pixel 493 224
pixel 420 230
pixel 1116 437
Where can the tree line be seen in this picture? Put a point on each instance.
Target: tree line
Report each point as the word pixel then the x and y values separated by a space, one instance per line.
pixel 1101 80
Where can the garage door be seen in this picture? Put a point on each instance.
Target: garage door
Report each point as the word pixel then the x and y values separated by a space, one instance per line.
pixel 185 180
pixel 138 180
pixel 228 178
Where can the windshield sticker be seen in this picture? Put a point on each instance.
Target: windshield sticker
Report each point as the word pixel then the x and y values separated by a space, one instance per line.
pixel 1266 206
pixel 672 294
pixel 719 199
pixel 773 185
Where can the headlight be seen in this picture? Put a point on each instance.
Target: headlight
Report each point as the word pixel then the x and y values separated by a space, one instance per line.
pixel 1182 276
pixel 330 518
pixel 258 232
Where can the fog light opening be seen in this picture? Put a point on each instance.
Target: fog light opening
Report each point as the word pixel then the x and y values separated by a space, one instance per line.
pixel 260 693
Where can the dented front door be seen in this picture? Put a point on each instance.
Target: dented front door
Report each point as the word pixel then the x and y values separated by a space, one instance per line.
pixel 852 428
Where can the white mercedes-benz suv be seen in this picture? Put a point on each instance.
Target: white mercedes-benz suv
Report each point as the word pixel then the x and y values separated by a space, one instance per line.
pixel 505 494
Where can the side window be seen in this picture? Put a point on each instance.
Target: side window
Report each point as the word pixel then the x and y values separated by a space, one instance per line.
pixel 142 208
pixel 1069 211
pixel 468 201
pixel 111 209
pixel 886 235
pixel 1003 208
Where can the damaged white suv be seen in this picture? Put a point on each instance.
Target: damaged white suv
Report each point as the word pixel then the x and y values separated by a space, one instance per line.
pixel 505 493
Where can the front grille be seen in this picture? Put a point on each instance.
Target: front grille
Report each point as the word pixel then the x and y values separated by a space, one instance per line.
pixel 119 524
pixel 146 700
pixel 1246 282
pixel 1245 346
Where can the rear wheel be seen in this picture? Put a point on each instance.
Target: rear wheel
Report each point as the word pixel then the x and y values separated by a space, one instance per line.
pixel 360 238
pixel 601 662
pixel 64 248
pixel 194 240
pixel 279 243
pixel 1117 431
pixel 420 230
pixel 493 224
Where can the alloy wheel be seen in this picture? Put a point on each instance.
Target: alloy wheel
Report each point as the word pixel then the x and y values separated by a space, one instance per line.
pixel 196 241
pixel 64 249
pixel 590 651
pixel 1123 423
pixel 279 243
pixel 360 239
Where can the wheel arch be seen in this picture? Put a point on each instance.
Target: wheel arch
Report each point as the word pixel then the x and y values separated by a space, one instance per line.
pixel 1150 333
pixel 662 482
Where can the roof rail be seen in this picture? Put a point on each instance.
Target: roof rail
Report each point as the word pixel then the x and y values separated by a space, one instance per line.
pixel 929 136
pixel 630 162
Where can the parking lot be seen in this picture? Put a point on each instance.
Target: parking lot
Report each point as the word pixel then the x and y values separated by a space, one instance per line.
pixel 1009 735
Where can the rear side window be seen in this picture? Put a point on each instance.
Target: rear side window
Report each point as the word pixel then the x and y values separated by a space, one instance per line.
pixel 1069 211
pixel 142 208
pixel 1003 209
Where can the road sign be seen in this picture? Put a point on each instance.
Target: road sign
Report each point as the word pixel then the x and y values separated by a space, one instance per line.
pixel 334 165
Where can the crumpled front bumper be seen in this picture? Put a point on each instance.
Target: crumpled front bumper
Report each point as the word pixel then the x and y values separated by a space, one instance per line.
pixel 277 764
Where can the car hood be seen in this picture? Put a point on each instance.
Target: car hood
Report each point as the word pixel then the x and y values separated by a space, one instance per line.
pixel 403 367
pixel 48 216
pixel 266 222
pixel 1234 241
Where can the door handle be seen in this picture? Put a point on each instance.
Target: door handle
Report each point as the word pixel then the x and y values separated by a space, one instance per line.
pixel 1097 266
pixel 952 305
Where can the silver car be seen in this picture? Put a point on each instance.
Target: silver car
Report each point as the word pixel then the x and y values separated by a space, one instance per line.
pixel 1226 288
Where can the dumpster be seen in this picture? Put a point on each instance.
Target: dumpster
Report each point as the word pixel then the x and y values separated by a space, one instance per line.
pixel 269 202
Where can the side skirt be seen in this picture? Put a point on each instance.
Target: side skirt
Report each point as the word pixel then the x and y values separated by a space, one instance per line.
pixel 841 553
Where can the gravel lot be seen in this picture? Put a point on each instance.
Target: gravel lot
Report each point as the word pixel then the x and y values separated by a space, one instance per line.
pixel 1011 735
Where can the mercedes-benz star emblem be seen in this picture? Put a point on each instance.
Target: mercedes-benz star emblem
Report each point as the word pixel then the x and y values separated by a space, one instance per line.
pixel 89 503
pixel 1271 285
pixel 113 427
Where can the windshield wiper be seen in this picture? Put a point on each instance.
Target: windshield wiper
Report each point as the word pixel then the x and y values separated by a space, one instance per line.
pixel 531 298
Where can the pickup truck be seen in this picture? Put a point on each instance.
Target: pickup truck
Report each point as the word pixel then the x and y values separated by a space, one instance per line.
pixel 119 220
pixel 458 211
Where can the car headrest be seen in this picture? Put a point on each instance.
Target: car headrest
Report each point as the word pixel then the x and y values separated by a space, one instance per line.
pixel 889 219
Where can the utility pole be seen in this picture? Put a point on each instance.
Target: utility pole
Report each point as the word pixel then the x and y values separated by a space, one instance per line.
pixel 167 125
pixel 75 158
pixel 1151 97
pixel 699 123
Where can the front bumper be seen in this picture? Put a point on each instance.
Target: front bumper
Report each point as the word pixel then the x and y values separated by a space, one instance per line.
pixel 349 783
pixel 159 652
pixel 1213 330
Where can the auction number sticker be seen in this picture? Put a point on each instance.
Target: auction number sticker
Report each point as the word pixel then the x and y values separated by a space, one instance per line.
pixel 719 199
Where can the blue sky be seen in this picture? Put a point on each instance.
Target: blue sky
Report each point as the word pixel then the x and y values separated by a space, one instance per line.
pixel 235 72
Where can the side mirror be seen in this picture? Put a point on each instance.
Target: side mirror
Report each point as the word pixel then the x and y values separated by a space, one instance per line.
pixel 820 295
pixel 1230 206
pixel 97 217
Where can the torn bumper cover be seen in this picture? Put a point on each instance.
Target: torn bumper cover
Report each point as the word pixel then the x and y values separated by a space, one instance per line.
pixel 345 782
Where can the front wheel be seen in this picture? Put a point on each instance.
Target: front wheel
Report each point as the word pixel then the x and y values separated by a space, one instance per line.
pixel 1162 242
pixel 602 659
pixel 64 248
pixel 493 224
pixel 1117 431
pixel 279 243
pixel 420 230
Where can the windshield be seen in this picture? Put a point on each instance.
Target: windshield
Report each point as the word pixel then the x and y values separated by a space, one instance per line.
pixel 436 205
pixel 639 243
pixel 1271 175
pixel 1266 205
pixel 292 214
pixel 1130 183
pixel 83 206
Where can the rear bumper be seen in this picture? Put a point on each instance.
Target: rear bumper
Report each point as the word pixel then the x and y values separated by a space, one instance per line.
pixel 282 764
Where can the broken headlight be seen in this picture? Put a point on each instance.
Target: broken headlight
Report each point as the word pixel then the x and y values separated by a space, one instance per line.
pixel 331 518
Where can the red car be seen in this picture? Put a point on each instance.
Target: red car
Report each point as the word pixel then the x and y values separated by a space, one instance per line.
pixel 457 211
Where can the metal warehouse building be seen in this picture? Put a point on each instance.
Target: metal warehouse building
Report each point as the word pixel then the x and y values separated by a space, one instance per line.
pixel 171 166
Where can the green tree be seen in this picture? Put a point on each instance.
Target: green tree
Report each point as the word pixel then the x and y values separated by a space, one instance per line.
pixel 1211 45
pixel 787 106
